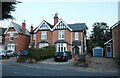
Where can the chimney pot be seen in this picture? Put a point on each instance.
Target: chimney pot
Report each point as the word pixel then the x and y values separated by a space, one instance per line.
pixel 24 27
pixel 56 19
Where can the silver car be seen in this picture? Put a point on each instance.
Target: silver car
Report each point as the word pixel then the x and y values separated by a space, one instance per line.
pixel 8 53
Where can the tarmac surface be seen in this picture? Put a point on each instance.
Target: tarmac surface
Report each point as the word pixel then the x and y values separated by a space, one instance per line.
pixel 96 64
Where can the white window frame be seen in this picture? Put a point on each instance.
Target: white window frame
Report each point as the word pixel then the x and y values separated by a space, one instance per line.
pixel 11 36
pixel 44 35
pixel 41 45
pixel 34 37
pixel 76 36
pixel 61 47
pixel 61 35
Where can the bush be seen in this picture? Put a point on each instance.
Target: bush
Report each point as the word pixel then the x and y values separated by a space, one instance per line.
pixel 41 53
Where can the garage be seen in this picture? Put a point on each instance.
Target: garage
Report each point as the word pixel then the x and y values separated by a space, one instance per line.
pixel 97 51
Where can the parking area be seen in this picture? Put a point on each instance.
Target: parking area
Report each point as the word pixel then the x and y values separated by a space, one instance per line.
pixel 51 61
pixel 103 63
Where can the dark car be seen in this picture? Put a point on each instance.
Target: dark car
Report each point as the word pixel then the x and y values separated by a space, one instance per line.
pixel 60 56
pixel 22 52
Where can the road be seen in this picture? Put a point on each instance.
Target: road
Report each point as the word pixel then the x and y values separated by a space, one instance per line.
pixel 13 69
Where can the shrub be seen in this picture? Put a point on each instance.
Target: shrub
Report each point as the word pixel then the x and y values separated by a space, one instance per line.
pixel 41 53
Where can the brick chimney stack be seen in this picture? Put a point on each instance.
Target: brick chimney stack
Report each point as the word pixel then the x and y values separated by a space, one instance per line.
pixel 23 27
pixel 56 19
pixel 31 31
pixel 31 28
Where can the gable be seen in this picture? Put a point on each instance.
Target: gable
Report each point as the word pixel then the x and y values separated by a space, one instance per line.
pixel 10 28
pixel 17 28
pixel 43 26
pixel 61 25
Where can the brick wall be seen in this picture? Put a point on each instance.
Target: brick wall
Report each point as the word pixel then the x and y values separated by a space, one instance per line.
pixel 116 41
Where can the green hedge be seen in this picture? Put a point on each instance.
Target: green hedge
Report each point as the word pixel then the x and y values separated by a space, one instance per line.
pixel 41 53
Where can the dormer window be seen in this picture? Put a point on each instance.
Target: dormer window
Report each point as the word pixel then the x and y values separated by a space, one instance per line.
pixel 11 36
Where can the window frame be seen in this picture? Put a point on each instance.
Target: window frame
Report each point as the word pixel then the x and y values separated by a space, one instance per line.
pixel 61 47
pixel 61 35
pixel 11 38
pixel 76 36
pixel 44 35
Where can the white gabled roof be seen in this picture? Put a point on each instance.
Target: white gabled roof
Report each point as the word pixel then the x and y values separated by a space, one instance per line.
pixel 41 25
pixel 17 27
pixel 97 48
pixel 62 22
pixel 11 25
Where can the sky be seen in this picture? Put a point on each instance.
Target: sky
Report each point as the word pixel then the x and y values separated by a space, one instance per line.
pixel 72 11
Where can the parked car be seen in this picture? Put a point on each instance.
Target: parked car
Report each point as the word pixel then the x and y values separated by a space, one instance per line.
pixel 23 53
pixel 2 53
pixel 8 53
pixel 60 56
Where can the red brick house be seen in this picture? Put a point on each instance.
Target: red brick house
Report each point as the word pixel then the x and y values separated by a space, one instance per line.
pixel 65 37
pixel 116 39
pixel 17 37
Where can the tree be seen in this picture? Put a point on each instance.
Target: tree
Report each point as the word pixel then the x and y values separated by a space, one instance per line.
pixel 7 8
pixel 98 36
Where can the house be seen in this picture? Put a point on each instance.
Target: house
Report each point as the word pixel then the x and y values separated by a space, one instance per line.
pixel 116 39
pixel 65 37
pixel 2 38
pixel 17 37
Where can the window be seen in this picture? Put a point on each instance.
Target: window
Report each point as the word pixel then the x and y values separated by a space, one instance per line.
pixel 34 37
pixel 43 45
pixel 43 35
pixel 76 36
pixel 0 38
pixel 61 35
pixel 61 47
pixel 11 36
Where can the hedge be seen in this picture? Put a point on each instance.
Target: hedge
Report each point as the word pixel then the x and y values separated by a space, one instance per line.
pixel 41 53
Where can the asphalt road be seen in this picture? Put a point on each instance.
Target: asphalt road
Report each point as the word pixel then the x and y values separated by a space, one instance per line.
pixel 11 69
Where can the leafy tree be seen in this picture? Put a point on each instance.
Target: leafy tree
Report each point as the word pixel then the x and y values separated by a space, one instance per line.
pixel 7 8
pixel 98 36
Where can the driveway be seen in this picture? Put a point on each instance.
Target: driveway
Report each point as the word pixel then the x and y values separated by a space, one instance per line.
pixel 51 61
pixel 103 63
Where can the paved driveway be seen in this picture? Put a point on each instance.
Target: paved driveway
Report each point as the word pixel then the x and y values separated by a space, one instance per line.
pixel 103 63
pixel 51 61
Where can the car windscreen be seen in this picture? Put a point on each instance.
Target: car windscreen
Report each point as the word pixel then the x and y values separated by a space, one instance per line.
pixel 8 51
pixel 59 53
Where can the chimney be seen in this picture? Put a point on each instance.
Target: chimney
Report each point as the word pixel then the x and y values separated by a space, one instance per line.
pixel 31 28
pixel 55 19
pixel 31 31
pixel 23 27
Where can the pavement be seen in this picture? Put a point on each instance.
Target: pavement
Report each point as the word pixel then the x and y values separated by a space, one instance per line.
pixel 99 64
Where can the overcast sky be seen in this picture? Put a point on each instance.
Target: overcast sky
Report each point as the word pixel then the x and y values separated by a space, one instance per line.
pixel 72 11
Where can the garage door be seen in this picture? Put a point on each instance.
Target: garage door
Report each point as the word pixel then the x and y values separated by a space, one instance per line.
pixel 97 52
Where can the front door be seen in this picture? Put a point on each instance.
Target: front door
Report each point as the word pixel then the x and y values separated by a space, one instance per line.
pixel 11 47
pixel 109 50
pixel 76 50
